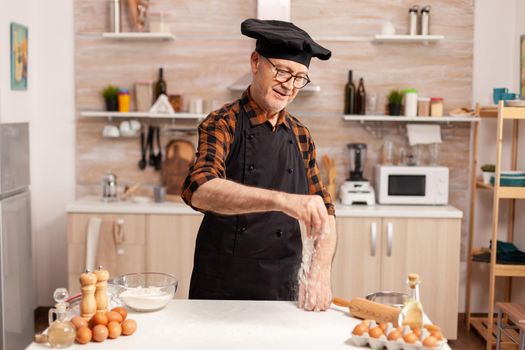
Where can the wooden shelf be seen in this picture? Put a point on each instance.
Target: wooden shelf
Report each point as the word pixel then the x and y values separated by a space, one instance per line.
pixel 514 113
pixel 482 185
pixel 511 192
pixel 139 36
pixel 106 114
pixel 506 270
pixel 389 118
pixel 480 325
pixel 420 39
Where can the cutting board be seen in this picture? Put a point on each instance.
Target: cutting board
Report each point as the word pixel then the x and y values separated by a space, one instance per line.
pixel 180 155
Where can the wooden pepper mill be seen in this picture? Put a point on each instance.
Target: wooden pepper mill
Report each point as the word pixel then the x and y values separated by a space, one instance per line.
pixel 88 305
pixel 101 295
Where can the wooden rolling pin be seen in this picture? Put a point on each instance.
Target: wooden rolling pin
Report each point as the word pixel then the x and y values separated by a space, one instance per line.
pixel 370 310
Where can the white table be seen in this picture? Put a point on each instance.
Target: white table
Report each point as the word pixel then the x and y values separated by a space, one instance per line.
pixel 225 324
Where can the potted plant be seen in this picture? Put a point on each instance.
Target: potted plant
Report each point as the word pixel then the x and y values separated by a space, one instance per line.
pixel 488 171
pixel 395 97
pixel 110 94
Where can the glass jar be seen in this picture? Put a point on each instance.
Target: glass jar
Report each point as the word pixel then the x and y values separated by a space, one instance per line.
pixel 123 100
pixel 423 106
pixel 158 22
pixel 436 107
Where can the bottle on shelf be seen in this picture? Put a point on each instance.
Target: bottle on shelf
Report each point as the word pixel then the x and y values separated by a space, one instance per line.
pixel 350 95
pixel 412 311
pixel 360 98
pixel 61 332
pixel 160 86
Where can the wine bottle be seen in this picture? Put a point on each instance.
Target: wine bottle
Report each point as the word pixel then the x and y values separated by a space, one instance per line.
pixel 160 85
pixel 350 95
pixel 360 98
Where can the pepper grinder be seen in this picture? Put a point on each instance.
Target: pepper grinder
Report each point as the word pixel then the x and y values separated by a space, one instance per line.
pixel 88 304
pixel 101 295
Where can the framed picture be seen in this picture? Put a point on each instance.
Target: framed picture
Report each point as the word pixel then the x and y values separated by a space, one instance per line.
pixel 522 65
pixel 19 47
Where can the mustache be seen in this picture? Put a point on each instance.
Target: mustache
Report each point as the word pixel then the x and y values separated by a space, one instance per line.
pixel 282 91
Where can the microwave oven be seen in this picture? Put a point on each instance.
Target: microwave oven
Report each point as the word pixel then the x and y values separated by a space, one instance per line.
pixel 411 184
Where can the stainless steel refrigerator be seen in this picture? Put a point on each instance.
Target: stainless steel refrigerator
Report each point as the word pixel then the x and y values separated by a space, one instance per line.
pixel 16 269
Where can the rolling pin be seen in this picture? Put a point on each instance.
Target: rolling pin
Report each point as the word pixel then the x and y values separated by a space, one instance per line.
pixel 370 310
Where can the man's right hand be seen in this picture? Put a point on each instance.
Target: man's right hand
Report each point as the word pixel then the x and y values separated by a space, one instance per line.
pixel 309 209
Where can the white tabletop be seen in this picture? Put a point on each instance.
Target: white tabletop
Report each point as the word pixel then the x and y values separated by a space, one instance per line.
pixel 226 324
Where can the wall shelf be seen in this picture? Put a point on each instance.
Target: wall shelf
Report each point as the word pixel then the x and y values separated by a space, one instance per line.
pixel 107 114
pixel 389 118
pixel 139 36
pixel 421 39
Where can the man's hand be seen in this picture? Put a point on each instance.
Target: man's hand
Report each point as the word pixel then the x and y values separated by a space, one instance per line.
pixel 309 209
pixel 315 294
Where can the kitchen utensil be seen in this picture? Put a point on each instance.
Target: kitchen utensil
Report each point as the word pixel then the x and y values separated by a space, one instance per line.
pixel 142 162
pixel 158 157
pixel 146 291
pixel 180 154
pixel 109 187
pixel 370 310
pixel 130 190
pixel 394 299
pixel 159 194
pixel 151 135
pixel 110 131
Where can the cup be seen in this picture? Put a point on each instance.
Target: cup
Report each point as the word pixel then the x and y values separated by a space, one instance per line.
pixel 159 194
pixel 110 131
pixel 402 157
pixel 372 102
pixel 196 105
pixel 387 152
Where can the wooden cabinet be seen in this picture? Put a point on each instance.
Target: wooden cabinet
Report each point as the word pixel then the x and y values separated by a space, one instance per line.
pixel 133 248
pixel 170 247
pixel 376 254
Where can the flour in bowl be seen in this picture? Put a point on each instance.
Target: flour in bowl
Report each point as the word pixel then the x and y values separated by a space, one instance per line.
pixel 146 299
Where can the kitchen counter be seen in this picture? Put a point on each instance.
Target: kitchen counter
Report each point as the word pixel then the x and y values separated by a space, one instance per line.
pixel 93 204
pixel 228 324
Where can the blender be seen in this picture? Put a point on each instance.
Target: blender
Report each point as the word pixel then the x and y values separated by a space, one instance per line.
pixel 357 189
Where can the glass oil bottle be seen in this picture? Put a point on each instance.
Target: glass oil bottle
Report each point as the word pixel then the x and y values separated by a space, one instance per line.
pixel 61 332
pixel 412 311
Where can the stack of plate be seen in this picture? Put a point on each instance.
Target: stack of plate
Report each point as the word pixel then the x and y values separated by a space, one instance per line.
pixel 511 178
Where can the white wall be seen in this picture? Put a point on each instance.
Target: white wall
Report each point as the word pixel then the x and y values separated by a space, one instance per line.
pixel 496 64
pixel 48 105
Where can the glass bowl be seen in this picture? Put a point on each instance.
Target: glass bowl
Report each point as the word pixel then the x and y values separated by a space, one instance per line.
pixel 146 291
pixel 388 298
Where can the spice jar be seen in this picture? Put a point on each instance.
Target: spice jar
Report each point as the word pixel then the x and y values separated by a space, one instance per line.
pixel 436 107
pixel 423 106
pixel 410 102
pixel 123 100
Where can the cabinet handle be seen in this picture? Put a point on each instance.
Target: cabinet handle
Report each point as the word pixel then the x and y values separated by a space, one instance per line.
pixel 373 238
pixel 389 238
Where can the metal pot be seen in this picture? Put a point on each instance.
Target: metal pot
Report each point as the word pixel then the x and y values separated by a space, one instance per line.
pixel 109 187
pixel 395 299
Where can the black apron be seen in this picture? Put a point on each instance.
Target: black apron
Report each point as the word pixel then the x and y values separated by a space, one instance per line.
pixel 253 256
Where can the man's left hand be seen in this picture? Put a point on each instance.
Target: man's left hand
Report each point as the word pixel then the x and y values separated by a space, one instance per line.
pixel 315 294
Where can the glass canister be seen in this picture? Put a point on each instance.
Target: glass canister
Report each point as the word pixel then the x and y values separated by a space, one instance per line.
pixel 423 106
pixel 123 100
pixel 436 107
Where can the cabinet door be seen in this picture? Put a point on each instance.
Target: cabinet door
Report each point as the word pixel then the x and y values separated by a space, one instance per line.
pixel 429 247
pixel 170 247
pixel 356 265
pixel 132 251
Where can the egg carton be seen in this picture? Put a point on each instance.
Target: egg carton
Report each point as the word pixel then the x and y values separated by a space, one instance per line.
pixel 380 343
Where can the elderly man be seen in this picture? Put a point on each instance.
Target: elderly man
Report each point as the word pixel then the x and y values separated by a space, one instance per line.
pixel 255 176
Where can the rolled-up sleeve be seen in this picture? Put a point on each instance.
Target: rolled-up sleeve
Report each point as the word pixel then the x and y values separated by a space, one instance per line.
pixel 215 136
pixel 314 179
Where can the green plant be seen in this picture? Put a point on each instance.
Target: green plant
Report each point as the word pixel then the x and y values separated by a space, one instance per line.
pixel 395 97
pixel 488 168
pixel 110 92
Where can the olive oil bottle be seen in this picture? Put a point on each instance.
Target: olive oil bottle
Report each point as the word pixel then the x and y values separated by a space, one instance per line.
pixel 412 311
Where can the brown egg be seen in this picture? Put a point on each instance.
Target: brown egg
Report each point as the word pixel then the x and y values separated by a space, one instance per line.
pixel 99 318
pixel 394 335
pixel 79 322
pixel 410 338
pixel 114 316
pixel 83 335
pixel 432 327
pixel 417 332
pixel 100 333
pixel 360 329
pixel 430 342
pixel 129 327
pixel 114 329
pixel 376 332
pixel 437 335
pixel 121 311
pixel 382 326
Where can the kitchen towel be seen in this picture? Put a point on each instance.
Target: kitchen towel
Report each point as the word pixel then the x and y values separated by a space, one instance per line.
pixel 423 134
pixel 93 232
pixel 111 234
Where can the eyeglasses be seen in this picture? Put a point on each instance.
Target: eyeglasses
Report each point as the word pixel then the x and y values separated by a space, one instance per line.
pixel 282 76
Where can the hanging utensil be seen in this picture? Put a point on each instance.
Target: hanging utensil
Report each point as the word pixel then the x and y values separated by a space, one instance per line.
pixel 151 134
pixel 158 157
pixel 142 161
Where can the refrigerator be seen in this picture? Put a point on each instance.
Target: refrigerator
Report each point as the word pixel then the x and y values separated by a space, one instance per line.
pixel 16 270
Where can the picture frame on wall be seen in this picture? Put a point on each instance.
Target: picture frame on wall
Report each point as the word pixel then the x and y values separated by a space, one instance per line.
pixel 522 65
pixel 19 56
